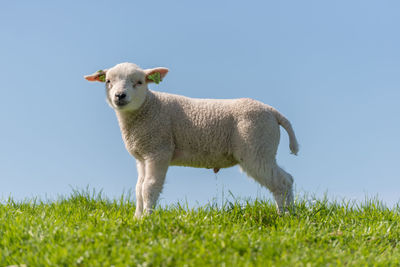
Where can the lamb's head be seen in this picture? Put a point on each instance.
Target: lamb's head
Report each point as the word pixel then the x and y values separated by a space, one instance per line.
pixel 126 84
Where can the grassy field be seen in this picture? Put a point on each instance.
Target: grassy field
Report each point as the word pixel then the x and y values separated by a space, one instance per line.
pixel 88 230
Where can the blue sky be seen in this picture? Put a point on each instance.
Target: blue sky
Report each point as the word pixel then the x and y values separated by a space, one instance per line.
pixel 331 67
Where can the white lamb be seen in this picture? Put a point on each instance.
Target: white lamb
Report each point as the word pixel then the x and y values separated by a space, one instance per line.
pixel 161 129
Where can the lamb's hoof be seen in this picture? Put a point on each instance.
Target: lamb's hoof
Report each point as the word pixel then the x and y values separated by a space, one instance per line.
pixel 138 215
pixel 287 211
pixel 216 170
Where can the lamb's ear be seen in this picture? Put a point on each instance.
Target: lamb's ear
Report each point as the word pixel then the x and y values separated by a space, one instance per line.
pixel 155 75
pixel 98 76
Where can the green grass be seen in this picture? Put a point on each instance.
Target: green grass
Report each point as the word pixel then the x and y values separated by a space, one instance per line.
pixel 88 230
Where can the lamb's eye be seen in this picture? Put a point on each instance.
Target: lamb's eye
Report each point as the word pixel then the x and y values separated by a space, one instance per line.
pixel 108 81
pixel 139 82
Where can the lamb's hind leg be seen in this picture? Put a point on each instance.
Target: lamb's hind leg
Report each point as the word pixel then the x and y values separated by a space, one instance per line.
pixel 279 182
pixel 283 189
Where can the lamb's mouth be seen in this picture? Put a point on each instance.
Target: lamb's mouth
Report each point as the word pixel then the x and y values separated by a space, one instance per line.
pixel 120 103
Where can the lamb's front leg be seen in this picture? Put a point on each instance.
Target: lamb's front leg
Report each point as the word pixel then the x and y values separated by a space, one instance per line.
pixel 139 198
pixel 155 171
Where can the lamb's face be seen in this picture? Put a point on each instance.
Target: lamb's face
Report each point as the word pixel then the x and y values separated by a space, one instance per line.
pixel 126 86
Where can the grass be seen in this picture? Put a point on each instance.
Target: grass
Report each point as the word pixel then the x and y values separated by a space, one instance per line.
pixel 87 229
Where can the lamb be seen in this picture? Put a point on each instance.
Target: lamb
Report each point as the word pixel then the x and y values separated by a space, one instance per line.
pixel 161 130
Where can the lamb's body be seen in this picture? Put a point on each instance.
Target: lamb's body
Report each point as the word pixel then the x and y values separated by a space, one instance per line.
pixel 161 129
pixel 203 133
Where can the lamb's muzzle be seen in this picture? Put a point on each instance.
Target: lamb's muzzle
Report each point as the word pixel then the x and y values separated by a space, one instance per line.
pixel 161 130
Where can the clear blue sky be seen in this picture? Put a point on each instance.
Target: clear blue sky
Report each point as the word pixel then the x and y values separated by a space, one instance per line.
pixel 332 67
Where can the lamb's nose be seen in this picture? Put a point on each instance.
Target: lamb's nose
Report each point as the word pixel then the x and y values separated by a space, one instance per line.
pixel 120 96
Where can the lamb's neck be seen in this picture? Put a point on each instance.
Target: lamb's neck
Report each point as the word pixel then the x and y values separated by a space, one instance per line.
pixel 128 119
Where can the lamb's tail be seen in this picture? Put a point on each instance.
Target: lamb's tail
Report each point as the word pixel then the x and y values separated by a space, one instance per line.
pixel 293 145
